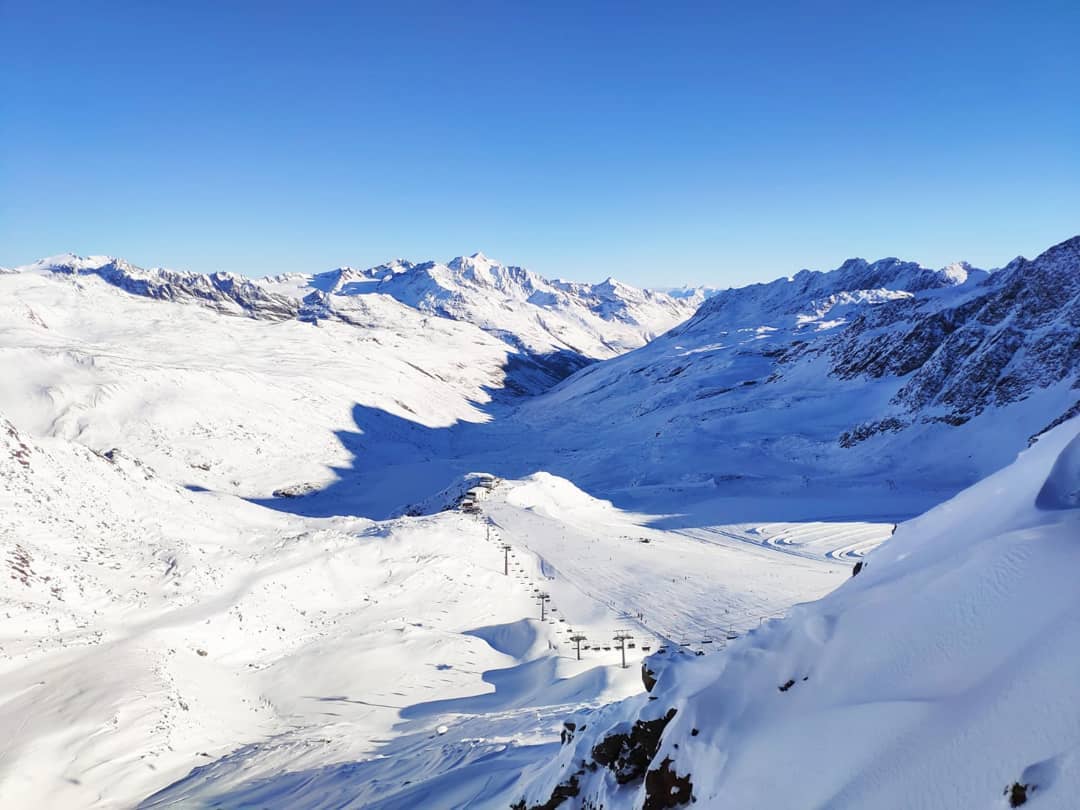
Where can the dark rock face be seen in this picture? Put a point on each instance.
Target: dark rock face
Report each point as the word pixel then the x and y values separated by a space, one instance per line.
pixel 1065 417
pixel 627 755
pixel 1017 331
pixel 860 433
pixel 566 736
pixel 654 666
pixel 648 677
pixel 1018 794
pixel 664 788
pixel 563 791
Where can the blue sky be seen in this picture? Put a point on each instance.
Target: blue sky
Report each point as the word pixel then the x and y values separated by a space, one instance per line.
pixel 663 143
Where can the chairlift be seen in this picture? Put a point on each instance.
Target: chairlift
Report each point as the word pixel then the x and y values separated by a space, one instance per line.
pixel 630 645
pixel 645 648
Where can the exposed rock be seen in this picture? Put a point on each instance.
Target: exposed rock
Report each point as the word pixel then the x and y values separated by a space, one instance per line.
pixel 860 433
pixel 296 490
pixel 664 788
pixel 563 791
pixel 1018 794
pixel 648 677
pixel 627 755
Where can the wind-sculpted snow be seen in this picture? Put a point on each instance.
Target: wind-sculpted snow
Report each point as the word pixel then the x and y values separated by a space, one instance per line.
pixel 939 677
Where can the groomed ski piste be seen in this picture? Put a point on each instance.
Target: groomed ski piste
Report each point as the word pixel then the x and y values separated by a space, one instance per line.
pixel 352 661
pixel 944 675
pixel 198 613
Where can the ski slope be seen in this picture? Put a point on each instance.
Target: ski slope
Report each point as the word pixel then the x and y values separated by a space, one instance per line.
pixel 239 572
pixel 944 675
pixel 457 746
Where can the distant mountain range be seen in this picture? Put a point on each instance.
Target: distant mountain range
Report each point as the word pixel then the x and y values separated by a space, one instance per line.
pixel 876 371
pixel 884 369
pixel 234 561
pixel 535 315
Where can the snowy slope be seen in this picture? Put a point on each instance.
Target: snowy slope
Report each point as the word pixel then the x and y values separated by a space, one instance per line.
pixel 572 323
pixel 468 749
pixel 918 379
pixel 231 404
pixel 941 676
pixel 534 314
pixel 154 630
pixel 134 431
pixel 173 642
pixel 151 629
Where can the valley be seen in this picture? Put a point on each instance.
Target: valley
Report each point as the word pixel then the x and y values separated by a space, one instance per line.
pixel 240 573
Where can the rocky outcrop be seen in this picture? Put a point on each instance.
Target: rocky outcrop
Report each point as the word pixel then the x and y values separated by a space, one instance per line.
pixel 1018 331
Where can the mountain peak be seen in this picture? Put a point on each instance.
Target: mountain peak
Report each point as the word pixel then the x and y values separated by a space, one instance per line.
pixel 70 262
pixel 477 261
pixel 1069 249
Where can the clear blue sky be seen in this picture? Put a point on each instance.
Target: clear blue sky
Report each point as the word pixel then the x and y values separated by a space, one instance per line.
pixel 659 142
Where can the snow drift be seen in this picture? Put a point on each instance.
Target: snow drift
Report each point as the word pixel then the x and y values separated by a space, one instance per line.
pixel 944 675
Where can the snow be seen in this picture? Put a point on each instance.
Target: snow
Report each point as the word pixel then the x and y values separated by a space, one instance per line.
pixel 943 673
pixel 240 572
pixel 533 314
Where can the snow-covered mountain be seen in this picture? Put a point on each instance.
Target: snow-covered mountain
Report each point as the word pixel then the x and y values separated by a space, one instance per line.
pixel 531 312
pixel 240 405
pixel 944 675
pixel 882 371
pixel 567 324
pixel 224 292
pixel 241 571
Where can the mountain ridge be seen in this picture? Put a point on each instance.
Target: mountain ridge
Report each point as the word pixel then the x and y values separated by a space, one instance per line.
pixel 861 377
pixel 537 316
